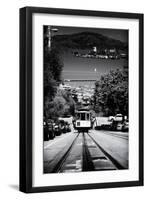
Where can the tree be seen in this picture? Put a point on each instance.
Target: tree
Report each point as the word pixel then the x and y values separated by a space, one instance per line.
pixel 111 93
pixel 52 72
pixel 62 104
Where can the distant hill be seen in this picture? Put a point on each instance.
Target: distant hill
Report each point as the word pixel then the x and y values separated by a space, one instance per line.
pixel 87 40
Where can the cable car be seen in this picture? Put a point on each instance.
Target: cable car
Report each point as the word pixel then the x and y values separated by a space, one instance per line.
pixel 82 121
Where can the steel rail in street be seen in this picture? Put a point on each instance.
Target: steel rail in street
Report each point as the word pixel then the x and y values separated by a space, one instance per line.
pixel 87 160
pixel 59 165
pixel 110 157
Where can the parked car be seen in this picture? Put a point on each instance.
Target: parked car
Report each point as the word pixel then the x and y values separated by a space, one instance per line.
pixel 125 126
pixel 51 129
pixel 57 128
pixel 67 126
pixel 45 131
pixel 118 118
pixel 62 125
pixel 119 127
pixel 114 125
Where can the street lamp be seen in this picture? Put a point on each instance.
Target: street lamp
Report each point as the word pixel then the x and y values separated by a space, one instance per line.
pixel 50 30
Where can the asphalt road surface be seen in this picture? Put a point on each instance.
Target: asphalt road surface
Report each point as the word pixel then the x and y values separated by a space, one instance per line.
pixel 97 150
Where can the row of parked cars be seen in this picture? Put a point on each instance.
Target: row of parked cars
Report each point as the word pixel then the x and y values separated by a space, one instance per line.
pixel 113 123
pixel 120 126
pixel 55 128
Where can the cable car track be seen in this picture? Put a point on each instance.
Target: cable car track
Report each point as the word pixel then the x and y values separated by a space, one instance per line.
pixel 108 156
pixel 93 156
pixel 59 165
pixel 87 160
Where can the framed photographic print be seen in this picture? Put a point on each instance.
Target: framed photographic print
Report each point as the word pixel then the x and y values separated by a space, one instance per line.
pixel 81 99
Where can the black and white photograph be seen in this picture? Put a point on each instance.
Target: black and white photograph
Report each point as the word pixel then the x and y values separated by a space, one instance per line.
pixel 81 99
pixel 85 99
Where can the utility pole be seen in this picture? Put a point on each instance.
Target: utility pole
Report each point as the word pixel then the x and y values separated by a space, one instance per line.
pixel 50 31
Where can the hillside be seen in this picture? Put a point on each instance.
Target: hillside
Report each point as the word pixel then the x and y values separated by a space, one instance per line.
pixel 86 40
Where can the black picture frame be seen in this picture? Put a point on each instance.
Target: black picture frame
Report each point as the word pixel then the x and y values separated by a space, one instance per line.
pixel 26 103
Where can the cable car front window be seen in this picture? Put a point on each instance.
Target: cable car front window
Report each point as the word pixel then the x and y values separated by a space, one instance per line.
pixel 82 116
pixel 78 116
pixel 88 116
